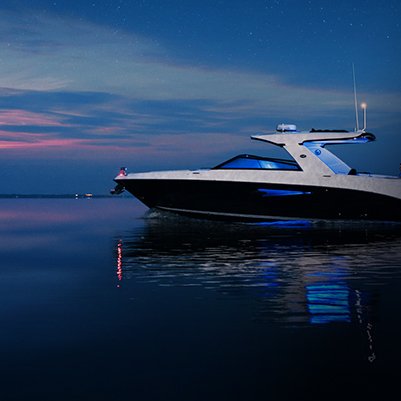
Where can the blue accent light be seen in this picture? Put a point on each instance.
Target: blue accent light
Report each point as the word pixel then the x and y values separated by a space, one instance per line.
pixel 289 223
pixel 280 192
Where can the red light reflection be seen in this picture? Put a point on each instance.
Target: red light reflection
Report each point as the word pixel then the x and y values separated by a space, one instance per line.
pixel 119 262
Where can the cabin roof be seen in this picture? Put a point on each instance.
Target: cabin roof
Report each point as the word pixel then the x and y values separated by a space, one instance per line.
pixel 323 137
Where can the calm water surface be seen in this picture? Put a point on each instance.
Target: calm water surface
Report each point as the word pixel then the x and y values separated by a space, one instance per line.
pixel 102 300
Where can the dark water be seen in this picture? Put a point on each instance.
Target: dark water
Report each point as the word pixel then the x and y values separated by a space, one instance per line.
pixel 99 303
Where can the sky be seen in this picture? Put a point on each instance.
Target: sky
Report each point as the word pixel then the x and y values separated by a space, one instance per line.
pixel 87 87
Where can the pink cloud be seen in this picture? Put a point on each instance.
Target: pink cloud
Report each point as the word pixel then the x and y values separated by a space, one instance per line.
pixel 105 130
pixel 38 143
pixel 202 143
pixel 22 117
pixel 21 136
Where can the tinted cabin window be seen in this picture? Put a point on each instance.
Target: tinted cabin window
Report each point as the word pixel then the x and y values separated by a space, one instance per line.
pixel 254 162
pixel 241 163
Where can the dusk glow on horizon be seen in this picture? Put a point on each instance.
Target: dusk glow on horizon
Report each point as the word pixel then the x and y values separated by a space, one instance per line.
pixel 87 87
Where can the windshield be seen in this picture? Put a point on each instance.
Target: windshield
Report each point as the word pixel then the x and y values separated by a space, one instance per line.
pixel 255 162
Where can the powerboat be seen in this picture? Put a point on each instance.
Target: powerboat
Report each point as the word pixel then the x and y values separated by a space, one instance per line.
pixel 313 184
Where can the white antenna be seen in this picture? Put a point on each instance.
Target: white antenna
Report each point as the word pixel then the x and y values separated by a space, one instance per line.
pixel 356 103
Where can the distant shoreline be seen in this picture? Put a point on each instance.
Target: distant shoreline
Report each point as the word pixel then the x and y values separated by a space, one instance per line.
pixel 62 196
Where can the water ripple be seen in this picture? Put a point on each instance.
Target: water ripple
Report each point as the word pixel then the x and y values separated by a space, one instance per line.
pixel 297 273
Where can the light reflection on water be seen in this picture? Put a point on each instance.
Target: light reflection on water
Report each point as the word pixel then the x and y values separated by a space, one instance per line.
pixel 99 302
pixel 295 275
pixel 298 273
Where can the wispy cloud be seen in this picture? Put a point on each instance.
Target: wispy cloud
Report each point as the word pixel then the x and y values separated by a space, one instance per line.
pixel 24 117
pixel 72 89
pixel 44 53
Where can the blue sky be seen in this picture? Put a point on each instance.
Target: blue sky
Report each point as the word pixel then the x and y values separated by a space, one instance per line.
pixel 89 86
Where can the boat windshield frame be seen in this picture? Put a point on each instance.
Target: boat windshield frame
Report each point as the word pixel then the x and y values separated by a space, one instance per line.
pixel 251 162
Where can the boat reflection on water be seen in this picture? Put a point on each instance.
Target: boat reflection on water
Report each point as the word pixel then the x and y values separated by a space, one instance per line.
pixel 295 274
